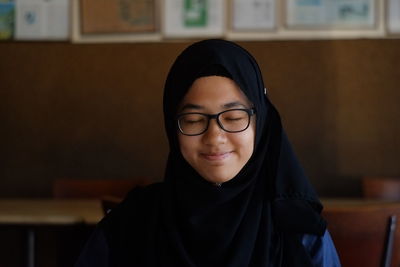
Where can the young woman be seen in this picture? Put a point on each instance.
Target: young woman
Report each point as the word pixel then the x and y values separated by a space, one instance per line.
pixel 233 193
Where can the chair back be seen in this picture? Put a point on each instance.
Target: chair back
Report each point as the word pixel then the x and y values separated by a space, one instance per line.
pixel 385 188
pixel 95 188
pixel 363 235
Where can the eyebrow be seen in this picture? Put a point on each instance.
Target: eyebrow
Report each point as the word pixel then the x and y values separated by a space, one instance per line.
pixel 234 104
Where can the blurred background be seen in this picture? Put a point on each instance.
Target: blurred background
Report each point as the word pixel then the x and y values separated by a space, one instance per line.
pixel 92 111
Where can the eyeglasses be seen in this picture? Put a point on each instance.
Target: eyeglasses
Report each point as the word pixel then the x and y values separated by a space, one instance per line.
pixel 231 121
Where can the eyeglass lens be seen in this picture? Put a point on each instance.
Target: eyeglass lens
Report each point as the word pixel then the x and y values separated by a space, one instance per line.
pixel 230 121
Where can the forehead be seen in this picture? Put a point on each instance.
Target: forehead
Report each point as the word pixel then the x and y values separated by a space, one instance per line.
pixel 214 91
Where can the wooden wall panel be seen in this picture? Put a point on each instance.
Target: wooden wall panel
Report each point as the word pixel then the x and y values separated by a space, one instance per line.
pixel 95 110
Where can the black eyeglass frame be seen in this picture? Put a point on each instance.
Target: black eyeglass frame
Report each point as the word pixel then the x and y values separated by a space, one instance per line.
pixel 250 112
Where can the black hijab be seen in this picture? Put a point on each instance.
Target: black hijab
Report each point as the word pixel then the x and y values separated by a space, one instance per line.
pixel 255 219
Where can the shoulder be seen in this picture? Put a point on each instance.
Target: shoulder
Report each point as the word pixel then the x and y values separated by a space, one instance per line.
pixel 139 204
pixel 321 249
pixel 133 219
pixel 95 252
pixel 151 193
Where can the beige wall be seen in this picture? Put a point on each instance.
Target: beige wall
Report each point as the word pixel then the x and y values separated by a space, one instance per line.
pixel 93 111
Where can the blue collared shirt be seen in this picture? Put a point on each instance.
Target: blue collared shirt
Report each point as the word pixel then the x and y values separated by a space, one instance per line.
pixel 322 250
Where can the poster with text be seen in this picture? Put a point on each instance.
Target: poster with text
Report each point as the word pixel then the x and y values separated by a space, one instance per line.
pixel 393 16
pixel 42 19
pixel 253 15
pixel 331 13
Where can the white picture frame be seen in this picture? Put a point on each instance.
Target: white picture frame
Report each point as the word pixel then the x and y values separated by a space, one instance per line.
pixel 253 19
pixel 193 18
pixel 253 15
pixel 42 20
pixel 393 17
pixel 331 14
pixel 333 29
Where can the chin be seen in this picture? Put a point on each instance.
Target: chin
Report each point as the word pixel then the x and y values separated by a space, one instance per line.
pixel 218 178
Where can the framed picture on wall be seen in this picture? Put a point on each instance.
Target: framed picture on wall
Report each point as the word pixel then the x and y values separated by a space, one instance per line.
pixel 42 20
pixel 331 14
pixel 253 15
pixel 115 20
pixel 193 18
pixel 393 17
pixel 253 19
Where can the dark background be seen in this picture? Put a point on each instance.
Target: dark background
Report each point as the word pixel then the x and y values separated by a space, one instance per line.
pixel 95 110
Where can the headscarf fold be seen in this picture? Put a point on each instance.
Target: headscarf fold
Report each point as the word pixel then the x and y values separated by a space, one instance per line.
pixel 241 222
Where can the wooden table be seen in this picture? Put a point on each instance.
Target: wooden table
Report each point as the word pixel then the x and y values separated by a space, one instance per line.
pixel 348 203
pixel 50 211
pixel 31 213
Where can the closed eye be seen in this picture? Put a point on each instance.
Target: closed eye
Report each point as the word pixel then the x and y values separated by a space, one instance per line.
pixel 192 121
pixel 234 119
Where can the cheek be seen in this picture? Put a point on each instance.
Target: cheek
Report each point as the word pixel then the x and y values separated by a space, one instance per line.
pixel 247 143
pixel 182 143
pixel 187 146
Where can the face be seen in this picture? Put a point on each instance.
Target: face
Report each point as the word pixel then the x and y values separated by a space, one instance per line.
pixel 216 155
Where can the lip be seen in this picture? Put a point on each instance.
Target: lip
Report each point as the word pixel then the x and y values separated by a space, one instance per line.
pixel 218 156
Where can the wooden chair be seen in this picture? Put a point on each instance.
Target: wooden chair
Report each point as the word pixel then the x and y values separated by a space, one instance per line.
pixel 95 188
pixel 364 235
pixel 384 188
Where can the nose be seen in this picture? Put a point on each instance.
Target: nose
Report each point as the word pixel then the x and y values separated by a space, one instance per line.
pixel 214 134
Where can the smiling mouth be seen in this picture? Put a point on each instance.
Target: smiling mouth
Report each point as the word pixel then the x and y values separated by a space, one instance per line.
pixel 215 156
